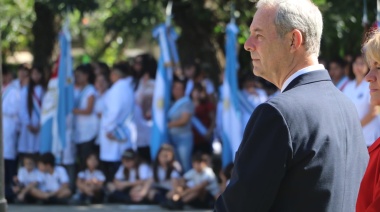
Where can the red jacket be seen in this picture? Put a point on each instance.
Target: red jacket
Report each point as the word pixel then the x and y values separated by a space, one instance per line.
pixel 369 192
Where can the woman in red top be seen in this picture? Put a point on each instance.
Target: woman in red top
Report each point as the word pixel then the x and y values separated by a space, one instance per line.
pixel 369 193
pixel 205 113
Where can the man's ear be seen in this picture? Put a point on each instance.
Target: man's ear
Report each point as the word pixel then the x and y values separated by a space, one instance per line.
pixel 296 40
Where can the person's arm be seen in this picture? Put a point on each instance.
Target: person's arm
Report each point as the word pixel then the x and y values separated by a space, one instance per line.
pixel 183 120
pixel 260 163
pixel 212 115
pixel 369 116
pixel 81 184
pixel 89 108
pixel 199 187
pixel 121 185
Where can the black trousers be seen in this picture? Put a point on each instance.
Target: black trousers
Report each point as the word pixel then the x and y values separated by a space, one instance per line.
pixel 83 150
pixel 109 169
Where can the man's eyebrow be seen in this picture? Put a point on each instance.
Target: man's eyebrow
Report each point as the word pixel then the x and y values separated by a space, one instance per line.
pixel 256 30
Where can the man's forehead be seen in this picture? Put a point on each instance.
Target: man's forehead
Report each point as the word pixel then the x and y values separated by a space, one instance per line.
pixel 263 18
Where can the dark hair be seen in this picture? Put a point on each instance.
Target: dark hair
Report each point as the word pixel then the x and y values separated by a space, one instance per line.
pixel 23 67
pixel 123 68
pixel 137 161
pixel 105 69
pixel 47 159
pixel 30 157
pixel 106 77
pixel 198 158
pixel 339 61
pixel 31 87
pixel 351 74
pixel 88 70
pixel 148 65
pixel 181 81
pixel 195 64
pixel 156 163
pixel 5 69
pixel 200 88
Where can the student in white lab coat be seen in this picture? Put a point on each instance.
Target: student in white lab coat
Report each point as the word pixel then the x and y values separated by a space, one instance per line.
pixel 119 105
pixel 358 91
pixel 85 120
pixel 11 102
pixel 22 77
pixel 30 113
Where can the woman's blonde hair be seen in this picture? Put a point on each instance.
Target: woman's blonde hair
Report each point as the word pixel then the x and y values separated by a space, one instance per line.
pixel 371 48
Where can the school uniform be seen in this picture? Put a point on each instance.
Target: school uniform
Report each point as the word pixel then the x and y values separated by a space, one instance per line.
pixel 53 182
pixel 341 85
pixel 144 173
pixel 195 178
pixel 144 130
pixel 25 177
pixel 87 175
pixel 10 108
pixel 119 105
pixel 85 126
pixel 99 109
pixel 164 183
pixel 28 142
pixel 360 96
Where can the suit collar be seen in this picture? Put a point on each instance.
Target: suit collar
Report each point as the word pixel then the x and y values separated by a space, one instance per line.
pixel 315 76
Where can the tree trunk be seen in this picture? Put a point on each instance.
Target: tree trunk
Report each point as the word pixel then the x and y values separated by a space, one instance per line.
pixel 44 33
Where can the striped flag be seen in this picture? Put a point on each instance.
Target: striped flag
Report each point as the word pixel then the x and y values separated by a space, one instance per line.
pixel 231 136
pixel 166 37
pixel 58 101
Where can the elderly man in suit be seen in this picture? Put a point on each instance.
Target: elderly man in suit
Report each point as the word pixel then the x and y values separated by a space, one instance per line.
pixel 303 150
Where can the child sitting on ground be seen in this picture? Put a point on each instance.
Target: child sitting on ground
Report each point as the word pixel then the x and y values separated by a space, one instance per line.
pixel 166 170
pixel 198 188
pixel 90 182
pixel 28 177
pixel 54 186
pixel 130 185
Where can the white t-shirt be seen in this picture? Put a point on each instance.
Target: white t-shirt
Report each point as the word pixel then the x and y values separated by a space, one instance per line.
pixel 144 173
pixel 53 182
pixel 162 181
pixel 82 123
pixel 25 178
pixel 88 175
pixel 360 96
pixel 195 178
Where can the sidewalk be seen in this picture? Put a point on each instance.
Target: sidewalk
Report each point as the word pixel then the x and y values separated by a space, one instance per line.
pixel 94 208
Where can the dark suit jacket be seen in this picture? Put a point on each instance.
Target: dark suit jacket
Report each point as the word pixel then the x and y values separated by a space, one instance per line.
pixel 303 150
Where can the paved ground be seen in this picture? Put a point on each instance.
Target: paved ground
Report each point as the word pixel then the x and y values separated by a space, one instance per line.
pixel 95 208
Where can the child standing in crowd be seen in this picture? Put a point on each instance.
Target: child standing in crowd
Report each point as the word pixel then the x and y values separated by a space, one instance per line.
pixel 102 84
pixel 199 187
pixel 90 181
pixel 130 180
pixel 10 108
pixel 165 173
pixel 30 113
pixel 119 106
pixel 28 177
pixel 54 186
pixel 85 120
pixel 22 77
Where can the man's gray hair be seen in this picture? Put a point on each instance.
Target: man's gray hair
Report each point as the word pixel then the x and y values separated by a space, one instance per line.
pixel 297 14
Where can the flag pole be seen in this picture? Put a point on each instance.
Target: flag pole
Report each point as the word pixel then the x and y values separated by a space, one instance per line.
pixel 3 201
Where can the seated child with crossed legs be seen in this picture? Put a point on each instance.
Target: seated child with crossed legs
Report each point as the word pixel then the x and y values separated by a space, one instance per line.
pixel 198 188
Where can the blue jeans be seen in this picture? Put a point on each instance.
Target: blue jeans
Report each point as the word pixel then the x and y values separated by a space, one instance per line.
pixel 183 146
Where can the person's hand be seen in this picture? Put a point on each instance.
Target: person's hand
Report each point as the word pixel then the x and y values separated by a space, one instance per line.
pixel 110 136
pixel 75 111
pixel 16 189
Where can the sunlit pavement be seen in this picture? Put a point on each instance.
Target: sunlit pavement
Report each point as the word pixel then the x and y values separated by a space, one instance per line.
pixel 95 208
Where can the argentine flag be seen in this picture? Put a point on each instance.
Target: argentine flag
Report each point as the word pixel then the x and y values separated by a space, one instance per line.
pixel 58 102
pixel 231 118
pixel 166 37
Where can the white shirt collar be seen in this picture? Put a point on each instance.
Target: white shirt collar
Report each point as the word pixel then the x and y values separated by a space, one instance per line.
pixel 300 72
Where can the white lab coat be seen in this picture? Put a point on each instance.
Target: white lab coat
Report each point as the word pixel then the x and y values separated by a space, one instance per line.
pixel 29 142
pixel 119 104
pixel 11 103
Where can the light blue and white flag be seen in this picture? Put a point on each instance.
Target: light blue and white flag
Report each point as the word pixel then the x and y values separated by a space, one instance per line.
pixel 166 37
pixel 58 103
pixel 231 135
